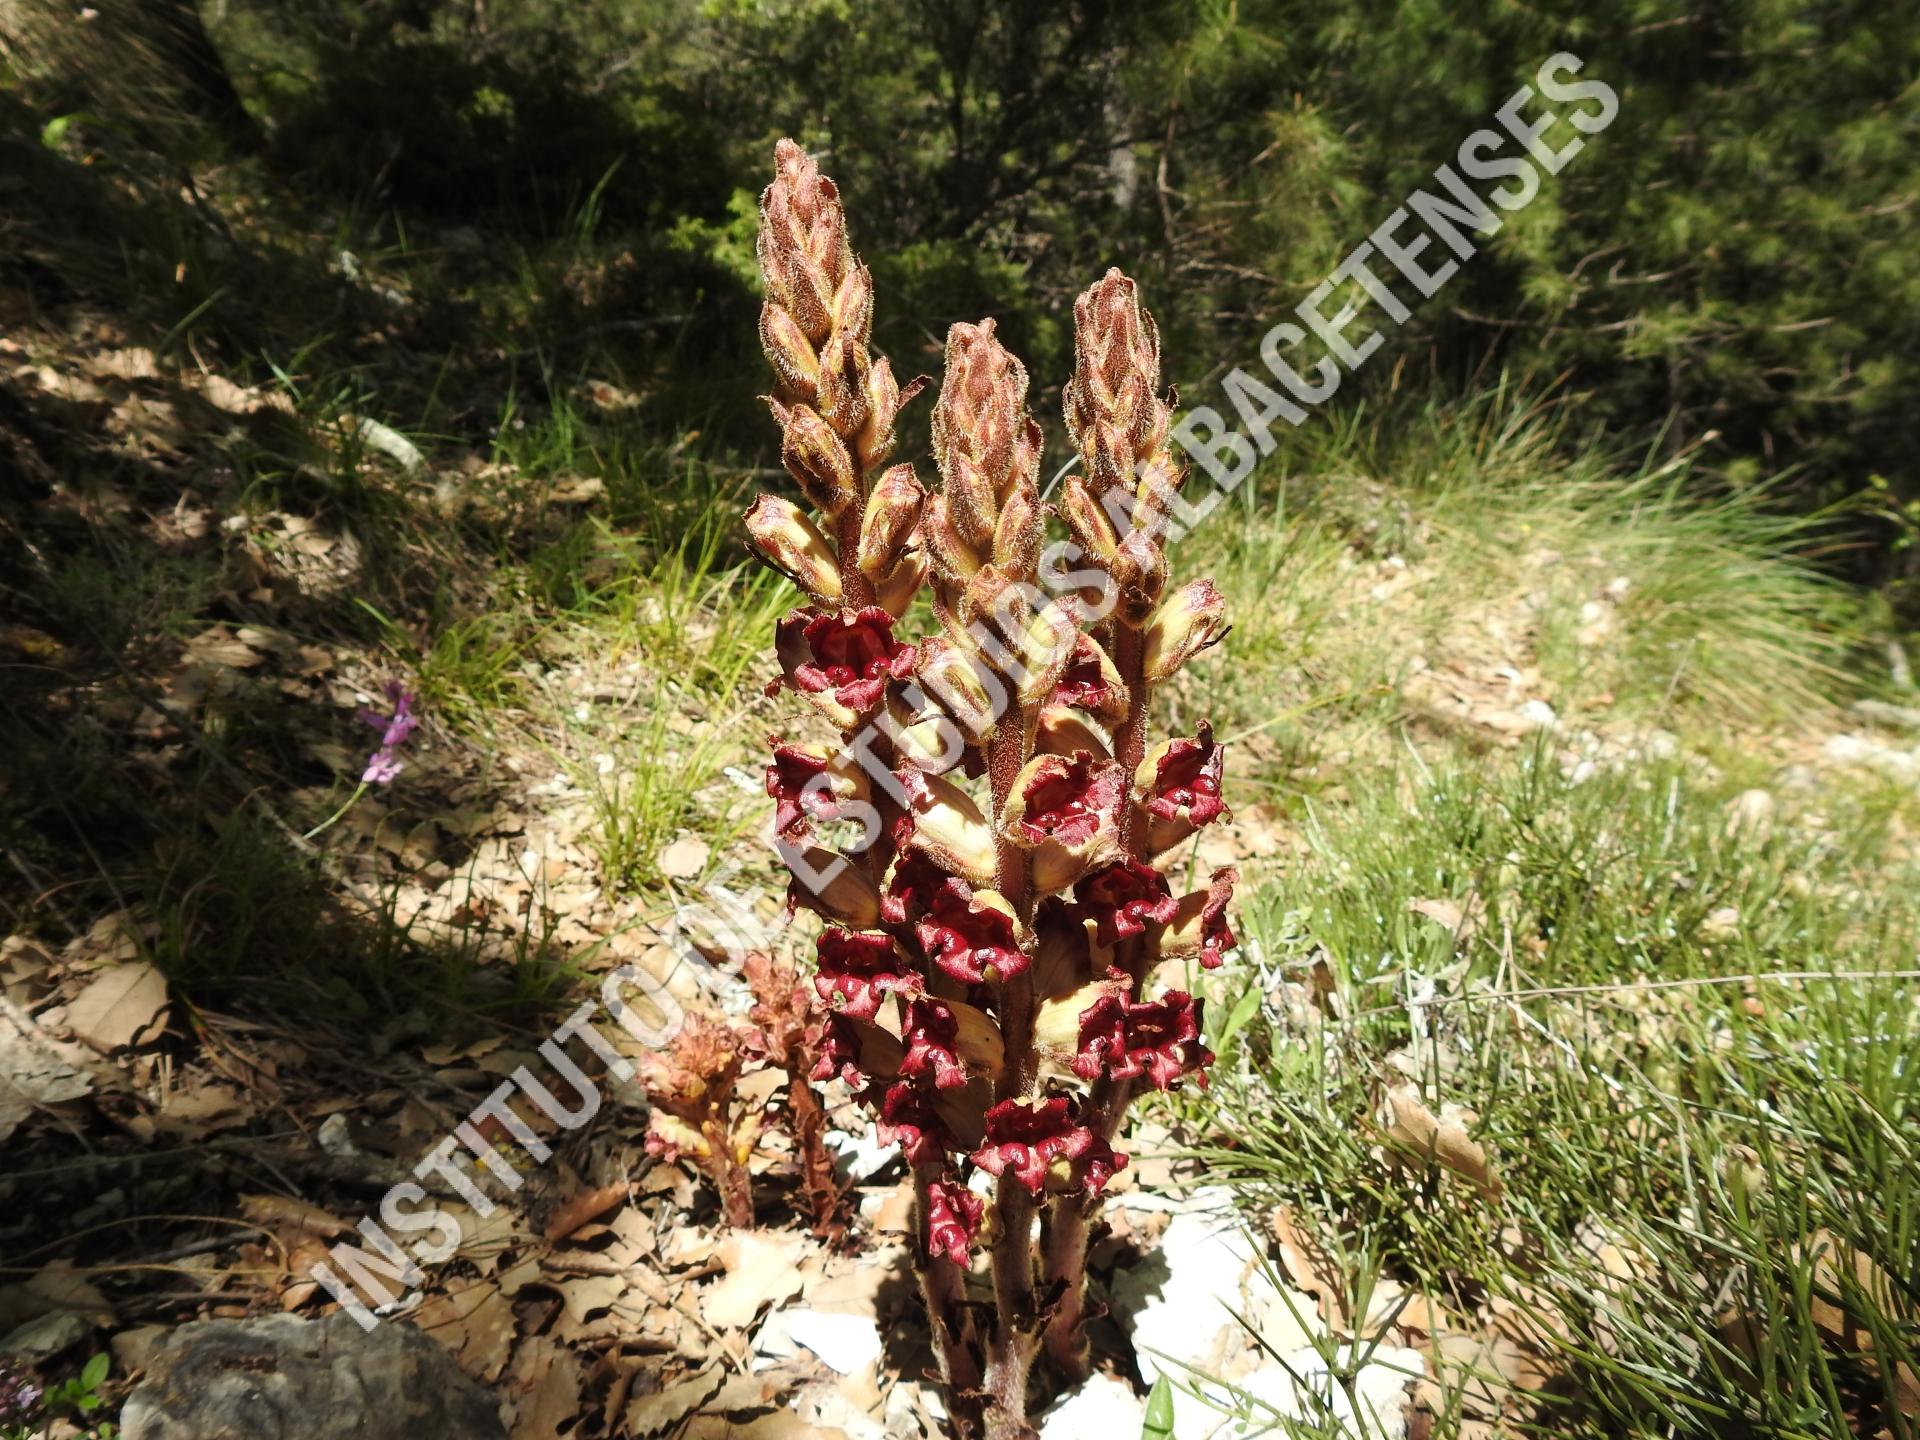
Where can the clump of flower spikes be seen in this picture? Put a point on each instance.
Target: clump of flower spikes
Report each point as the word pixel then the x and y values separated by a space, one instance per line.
pixel 993 971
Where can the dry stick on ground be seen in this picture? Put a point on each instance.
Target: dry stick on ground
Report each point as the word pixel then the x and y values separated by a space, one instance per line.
pixel 983 967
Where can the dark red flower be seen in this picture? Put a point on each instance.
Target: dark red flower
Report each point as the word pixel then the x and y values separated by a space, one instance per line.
pixel 839 1050
pixel 1216 939
pixel 846 657
pixel 970 934
pixel 1157 1039
pixel 1090 682
pixel 858 969
pixel 916 880
pixel 1067 799
pixel 904 1113
pixel 1026 1139
pixel 1185 783
pixel 953 1219
pixel 795 784
pixel 932 1037
pixel 1122 898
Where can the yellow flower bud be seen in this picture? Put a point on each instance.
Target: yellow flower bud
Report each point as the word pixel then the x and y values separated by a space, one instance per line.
pixel 1193 618
pixel 794 361
pixel 949 829
pixel 791 543
pixel 891 517
pixel 816 458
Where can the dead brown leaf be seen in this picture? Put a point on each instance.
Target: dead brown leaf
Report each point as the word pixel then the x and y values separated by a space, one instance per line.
pixel 475 1322
pixel 1310 1266
pixel 586 1206
pixel 1441 1137
pixel 291 1218
pixel 762 1269
pixel 684 859
pixel 650 1414
pixel 35 1070
pixel 1836 1313
pixel 124 1006
pixel 549 1380
pixel 1461 920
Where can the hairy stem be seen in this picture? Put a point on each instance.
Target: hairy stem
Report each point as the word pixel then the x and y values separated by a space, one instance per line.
pixel 1130 740
pixel 1011 1353
pixel 817 1177
pixel 856 591
pixel 943 1285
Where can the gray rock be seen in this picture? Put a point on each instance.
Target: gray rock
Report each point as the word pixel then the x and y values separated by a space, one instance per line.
pixel 281 1378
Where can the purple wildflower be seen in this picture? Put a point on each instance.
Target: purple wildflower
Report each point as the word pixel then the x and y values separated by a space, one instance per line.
pixel 395 730
pixel 19 1397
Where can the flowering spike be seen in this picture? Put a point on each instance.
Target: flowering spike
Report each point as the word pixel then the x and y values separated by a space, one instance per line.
pixel 384 765
pixel 955 998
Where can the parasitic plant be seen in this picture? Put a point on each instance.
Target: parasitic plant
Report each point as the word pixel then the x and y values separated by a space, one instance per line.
pixel 993 974
pixel 702 1114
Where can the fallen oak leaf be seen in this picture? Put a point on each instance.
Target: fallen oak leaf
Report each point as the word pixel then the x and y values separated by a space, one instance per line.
pixel 291 1218
pixel 1843 1278
pixel 1310 1266
pixel 650 1414
pixel 587 1206
pixel 553 1384
pixel 1450 915
pixel 33 1070
pixel 761 1270
pixel 1442 1137
pixel 121 1008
